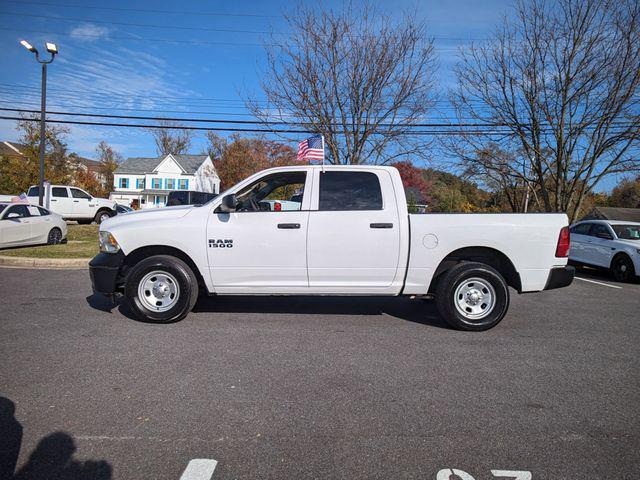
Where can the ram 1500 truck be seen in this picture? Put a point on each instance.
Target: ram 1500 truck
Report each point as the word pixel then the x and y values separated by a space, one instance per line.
pixel 346 231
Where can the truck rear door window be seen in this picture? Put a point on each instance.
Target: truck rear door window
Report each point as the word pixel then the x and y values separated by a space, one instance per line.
pixel 59 192
pixel 350 191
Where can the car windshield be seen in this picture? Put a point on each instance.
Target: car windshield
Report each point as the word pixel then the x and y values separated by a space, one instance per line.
pixel 627 232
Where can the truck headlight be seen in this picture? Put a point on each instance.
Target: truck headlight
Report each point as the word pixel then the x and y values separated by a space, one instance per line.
pixel 108 243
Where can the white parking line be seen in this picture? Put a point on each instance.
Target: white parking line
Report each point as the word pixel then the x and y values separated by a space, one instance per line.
pixel 599 283
pixel 199 469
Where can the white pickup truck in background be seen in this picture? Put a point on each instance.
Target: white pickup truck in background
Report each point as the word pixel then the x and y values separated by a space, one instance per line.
pixel 73 203
pixel 345 231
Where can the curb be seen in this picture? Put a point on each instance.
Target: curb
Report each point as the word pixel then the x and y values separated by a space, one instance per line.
pixel 56 263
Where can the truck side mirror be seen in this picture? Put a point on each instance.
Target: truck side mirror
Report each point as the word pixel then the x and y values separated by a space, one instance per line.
pixel 229 203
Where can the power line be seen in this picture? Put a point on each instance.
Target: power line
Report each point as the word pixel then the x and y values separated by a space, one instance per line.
pixel 245 122
pixel 252 130
pixel 141 10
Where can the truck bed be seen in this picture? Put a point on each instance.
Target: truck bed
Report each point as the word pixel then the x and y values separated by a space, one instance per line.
pixel 527 240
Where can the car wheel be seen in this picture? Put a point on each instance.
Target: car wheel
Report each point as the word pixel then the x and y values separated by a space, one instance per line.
pixel 161 289
pixel 622 268
pixel 54 237
pixel 472 296
pixel 102 216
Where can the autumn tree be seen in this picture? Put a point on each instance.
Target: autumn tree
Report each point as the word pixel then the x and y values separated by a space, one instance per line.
pixel 626 194
pixel 236 158
pixel 417 189
pixel 20 172
pixel 559 84
pixel 361 79
pixel 109 160
pixel 170 137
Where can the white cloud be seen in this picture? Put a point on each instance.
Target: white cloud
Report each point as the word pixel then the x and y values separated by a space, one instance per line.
pixel 89 32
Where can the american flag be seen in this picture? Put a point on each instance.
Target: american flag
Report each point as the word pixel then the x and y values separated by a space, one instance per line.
pixel 311 149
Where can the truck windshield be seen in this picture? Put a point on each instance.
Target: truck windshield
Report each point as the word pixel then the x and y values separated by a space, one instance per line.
pixel 627 232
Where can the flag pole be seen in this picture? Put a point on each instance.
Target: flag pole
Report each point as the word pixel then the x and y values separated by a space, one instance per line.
pixel 322 136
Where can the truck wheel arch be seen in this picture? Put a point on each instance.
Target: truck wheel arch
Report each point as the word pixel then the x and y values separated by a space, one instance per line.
pixel 149 250
pixel 487 255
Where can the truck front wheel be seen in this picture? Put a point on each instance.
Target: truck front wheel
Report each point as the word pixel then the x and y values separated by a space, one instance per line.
pixel 102 216
pixel 161 289
pixel 472 296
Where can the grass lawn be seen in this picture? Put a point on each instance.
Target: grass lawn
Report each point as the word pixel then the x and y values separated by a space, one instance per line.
pixel 82 242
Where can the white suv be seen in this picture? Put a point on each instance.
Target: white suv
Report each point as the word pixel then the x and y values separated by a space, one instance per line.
pixel 609 244
pixel 73 203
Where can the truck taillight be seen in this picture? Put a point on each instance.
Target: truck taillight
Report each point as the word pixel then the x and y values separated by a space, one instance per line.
pixel 564 240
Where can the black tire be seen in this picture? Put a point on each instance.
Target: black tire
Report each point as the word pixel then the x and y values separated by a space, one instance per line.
pixel 622 268
pixel 54 237
pixel 102 215
pixel 487 279
pixel 178 270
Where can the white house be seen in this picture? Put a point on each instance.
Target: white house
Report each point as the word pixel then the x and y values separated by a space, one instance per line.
pixel 146 182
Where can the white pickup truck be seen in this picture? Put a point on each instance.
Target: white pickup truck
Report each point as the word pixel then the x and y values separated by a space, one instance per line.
pixel 350 234
pixel 73 203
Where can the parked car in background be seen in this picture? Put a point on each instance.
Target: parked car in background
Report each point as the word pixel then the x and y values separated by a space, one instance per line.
pixel 185 197
pixel 73 203
pixel 121 209
pixel 607 244
pixel 22 224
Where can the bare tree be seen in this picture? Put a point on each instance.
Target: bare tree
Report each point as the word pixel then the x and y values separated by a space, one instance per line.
pixel 109 160
pixel 358 78
pixel 171 138
pixel 560 84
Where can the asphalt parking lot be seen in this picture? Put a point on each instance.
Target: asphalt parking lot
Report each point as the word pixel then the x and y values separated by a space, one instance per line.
pixel 321 388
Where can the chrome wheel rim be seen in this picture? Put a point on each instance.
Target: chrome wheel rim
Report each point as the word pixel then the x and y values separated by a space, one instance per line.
pixel 104 217
pixel 475 298
pixel 158 291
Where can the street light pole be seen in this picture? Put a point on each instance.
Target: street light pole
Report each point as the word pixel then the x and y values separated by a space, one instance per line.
pixel 53 50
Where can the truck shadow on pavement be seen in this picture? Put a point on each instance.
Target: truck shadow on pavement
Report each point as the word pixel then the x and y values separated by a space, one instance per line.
pixel 411 310
pixel 52 458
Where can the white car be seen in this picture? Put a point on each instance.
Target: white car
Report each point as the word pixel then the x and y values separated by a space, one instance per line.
pixel 22 224
pixel 608 244
pixel 350 235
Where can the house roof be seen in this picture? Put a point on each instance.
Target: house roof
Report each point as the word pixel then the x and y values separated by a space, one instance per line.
pixel 614 213
pixel 11 148
pixel 142 165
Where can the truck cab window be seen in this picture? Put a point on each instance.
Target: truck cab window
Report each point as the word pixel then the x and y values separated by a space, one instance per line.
pixel 273 193
pixel 59 192
pixel 76 193
pixel 350 191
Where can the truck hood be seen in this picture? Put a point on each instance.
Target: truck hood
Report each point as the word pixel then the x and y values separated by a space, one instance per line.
pixel 150 215
pixel 103 202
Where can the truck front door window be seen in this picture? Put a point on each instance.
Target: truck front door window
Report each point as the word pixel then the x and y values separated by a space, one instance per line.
pixel 273 193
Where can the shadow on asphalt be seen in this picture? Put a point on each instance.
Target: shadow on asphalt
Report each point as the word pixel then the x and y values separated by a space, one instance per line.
pixel 411 310
pixel 52 458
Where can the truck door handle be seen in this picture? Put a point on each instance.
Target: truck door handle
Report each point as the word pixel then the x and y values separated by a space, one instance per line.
pixel 54 200
pixel 381 225
pixel 288 225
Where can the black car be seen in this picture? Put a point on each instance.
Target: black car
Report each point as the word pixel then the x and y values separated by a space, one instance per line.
pixel 185 197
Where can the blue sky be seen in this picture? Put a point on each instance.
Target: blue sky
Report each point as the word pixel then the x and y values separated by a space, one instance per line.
pixel 149 60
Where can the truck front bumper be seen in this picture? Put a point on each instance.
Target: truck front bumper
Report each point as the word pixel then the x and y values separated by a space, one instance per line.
pixel 560 277
pixel 104 269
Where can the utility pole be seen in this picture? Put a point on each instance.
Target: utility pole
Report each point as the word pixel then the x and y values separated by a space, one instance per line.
pixel 53 50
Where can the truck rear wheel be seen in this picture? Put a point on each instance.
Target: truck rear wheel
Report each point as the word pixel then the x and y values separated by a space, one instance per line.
pixel 472 296
pixel 161 289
